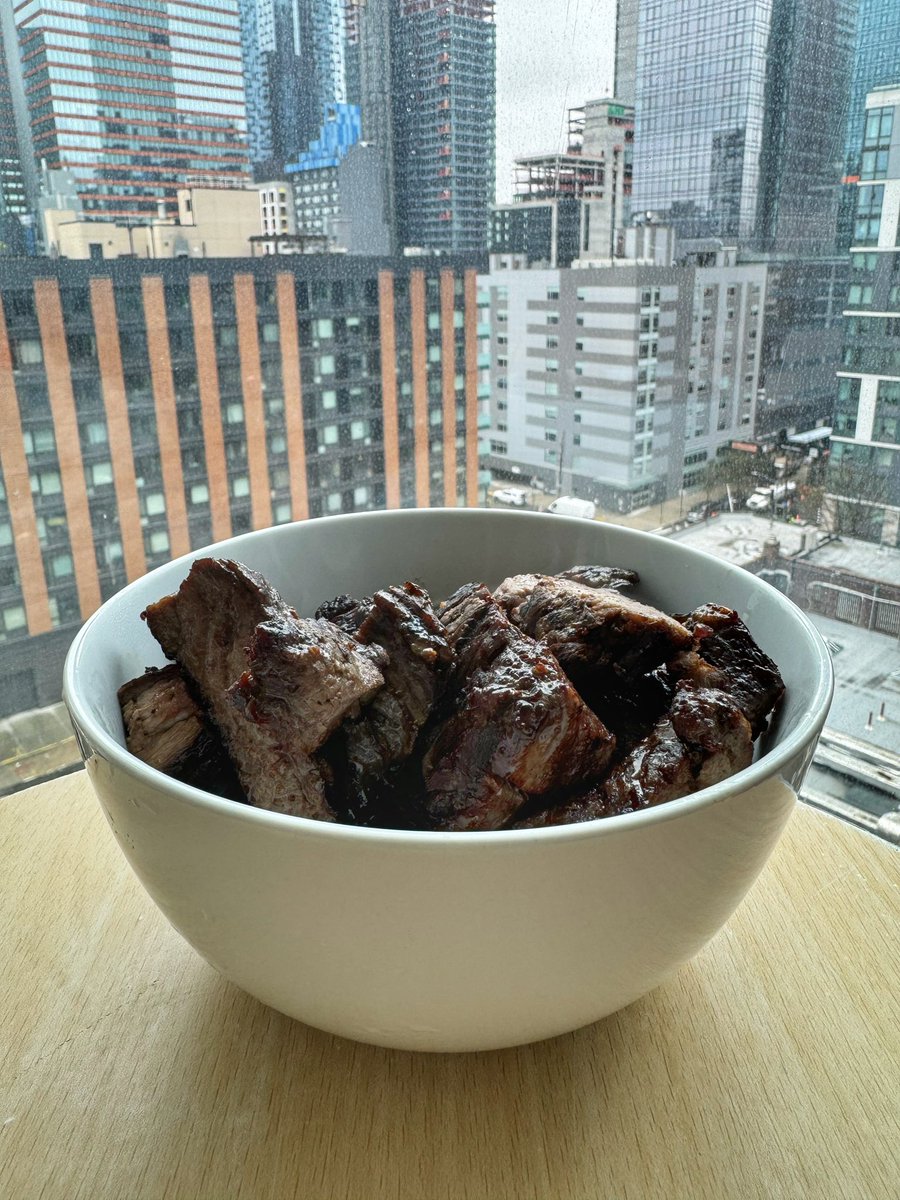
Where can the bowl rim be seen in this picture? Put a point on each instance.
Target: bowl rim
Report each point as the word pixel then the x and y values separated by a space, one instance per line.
pixel 763 768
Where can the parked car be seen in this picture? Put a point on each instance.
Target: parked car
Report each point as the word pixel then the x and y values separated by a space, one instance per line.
pixel 571 506
pixel 514 496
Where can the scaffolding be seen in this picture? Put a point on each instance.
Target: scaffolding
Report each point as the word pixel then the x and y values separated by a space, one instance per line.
pixel 569 175
pixel 478 10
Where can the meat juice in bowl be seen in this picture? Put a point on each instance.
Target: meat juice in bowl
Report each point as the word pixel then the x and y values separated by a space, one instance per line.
pixel 450 938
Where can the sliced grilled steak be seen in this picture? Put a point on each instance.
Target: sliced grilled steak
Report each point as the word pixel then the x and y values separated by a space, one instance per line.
pixel 518 728
pixel 724 655
pixel 168 730
pixel 209 625
pixel 477 628
pixel 590 629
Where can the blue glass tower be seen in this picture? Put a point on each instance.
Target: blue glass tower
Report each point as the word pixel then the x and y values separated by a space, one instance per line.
pixel 293 52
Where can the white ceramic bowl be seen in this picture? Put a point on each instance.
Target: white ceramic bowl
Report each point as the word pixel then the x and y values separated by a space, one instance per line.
pixel 460 941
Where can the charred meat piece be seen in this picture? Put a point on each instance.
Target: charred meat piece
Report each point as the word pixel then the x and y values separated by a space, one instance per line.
pixel 518 728
pixel 703 739
pixel 724 655
pixel 616 578
pixel 226 625
pixel 590 628
pixel 402 622
pixel 477 628
pixel 586 806
pixel 304 677
pixel 344 611
pixel 168 730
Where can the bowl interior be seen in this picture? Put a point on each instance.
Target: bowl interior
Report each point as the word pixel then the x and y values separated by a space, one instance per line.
pixel 312 561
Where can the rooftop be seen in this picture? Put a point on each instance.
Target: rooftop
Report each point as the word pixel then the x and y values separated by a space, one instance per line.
pixel 739 537
pixel 866 677
pixel 881 563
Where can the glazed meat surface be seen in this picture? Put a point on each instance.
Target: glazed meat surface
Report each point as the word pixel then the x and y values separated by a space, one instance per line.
pixel 168 730
pixel 343 611
pixel 518 728
pixel 554 700
pixel 591 628
pixel 402 622
pixel 703 739
pixel 616 578
pixel 724 655
pixel 295 679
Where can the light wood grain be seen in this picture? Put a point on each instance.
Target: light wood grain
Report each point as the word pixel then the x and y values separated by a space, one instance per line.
pixel 766 1068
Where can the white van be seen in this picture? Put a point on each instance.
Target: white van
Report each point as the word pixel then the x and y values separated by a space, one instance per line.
pixel 762 498
pixel 570 506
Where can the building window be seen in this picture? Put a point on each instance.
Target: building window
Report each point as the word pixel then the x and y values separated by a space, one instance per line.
pixel 14 618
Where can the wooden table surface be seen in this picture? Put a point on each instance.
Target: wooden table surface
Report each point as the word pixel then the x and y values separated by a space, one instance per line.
pixel 768 1067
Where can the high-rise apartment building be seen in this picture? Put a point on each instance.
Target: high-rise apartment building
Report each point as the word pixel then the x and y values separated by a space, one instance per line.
pixel 293 53
pixel 135 99
pixel 152 407
pixel 620 384
pixel 863 480
pixel 740 117
pixel 443 121
pixel 876 63
pixel 801 343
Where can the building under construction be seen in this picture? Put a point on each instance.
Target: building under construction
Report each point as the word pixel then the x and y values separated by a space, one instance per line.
pixel 568 205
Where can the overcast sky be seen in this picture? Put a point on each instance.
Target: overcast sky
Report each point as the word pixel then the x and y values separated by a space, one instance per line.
pixel 552 55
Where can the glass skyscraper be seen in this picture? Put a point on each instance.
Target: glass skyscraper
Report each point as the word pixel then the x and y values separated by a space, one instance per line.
pixel 444 101
pixel 863 481
pixel 739 111
pixel 876 63
pixel 135 99
pixel 293 53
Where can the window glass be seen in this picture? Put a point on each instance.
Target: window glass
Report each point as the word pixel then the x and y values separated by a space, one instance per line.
pixel 653 300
